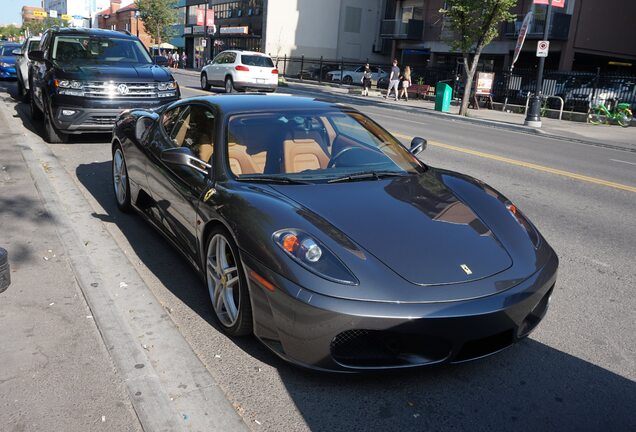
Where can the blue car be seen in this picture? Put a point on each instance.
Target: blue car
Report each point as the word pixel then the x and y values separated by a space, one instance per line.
pixel 7 60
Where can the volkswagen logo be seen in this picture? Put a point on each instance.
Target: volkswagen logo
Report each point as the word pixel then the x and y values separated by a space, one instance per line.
pixel 122 89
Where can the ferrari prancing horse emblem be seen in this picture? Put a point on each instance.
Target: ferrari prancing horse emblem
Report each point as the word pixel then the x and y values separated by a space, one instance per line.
pixel 209 194
pixel 466 269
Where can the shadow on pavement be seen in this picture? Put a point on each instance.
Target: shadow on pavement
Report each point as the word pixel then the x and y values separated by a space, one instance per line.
pixel 529 387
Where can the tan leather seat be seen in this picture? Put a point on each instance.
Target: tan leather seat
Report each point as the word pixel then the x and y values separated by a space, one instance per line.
pixel 304 154
pixel 240 161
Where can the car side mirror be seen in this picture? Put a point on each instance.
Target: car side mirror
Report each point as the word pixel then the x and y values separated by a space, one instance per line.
pixel 17 52
pixel 183 156
pixel 36 55
pixel 142 126
pixel 418 145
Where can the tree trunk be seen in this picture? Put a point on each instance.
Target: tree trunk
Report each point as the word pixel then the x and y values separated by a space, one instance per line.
pixel 470 74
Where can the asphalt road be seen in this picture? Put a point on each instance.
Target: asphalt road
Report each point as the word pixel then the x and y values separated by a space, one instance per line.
pixel 576 372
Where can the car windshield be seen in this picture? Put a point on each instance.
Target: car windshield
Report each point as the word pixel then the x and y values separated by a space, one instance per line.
pixel 321 145
pixel 257 60
pixel 7 50
pixel 91 49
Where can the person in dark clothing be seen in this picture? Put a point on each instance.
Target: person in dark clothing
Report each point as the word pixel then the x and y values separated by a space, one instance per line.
pixel 394 80
pixel 366 80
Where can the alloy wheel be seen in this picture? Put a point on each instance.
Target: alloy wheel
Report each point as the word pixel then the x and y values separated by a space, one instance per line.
pixel 223 280
pixel 120 180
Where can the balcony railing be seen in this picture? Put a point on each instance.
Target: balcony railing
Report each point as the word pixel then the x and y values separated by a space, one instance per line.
pixel 396 29
pixel 559 27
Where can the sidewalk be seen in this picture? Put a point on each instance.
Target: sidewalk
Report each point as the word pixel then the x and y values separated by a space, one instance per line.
pixel 606 135
pixel 56 373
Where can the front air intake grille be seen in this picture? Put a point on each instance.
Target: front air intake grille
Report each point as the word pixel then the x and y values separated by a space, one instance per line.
pixel 101 120
pixel 477 348
pixel 360 348
pixel 117 90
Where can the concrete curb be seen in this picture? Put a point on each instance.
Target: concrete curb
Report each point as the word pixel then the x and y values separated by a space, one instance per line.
pixel 168 386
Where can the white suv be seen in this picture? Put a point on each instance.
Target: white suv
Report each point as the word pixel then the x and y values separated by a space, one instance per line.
pixel 22 64
pixel 240 70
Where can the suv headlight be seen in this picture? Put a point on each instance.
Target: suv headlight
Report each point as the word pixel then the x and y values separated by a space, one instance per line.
pixel 3 64
pixel 69 87
pixel 313 255
pixel 167 85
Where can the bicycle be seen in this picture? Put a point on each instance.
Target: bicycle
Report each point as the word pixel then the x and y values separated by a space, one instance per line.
pixel 621 114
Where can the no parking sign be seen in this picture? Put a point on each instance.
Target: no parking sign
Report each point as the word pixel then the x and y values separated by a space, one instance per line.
pixel 542 48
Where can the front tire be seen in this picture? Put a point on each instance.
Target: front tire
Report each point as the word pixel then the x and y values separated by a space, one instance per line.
pixel 205 85
pixel 347 80
pixel 121 185
pixel 36 114
pixel 598 117
pixel 227 285
pixel 624 118
pixel 229 85
pixel 51 134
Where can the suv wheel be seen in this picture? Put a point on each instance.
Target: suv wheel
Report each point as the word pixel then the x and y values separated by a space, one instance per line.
pixel 51 135
pixel 229 85
pixel 36 114
pixel 205 85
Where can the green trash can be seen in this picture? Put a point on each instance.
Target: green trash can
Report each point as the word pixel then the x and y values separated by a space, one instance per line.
pixel 443 96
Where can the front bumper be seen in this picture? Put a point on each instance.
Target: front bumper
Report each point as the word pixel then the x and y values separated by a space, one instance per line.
pixel 94 116
pixel 327 333
pixel 8 73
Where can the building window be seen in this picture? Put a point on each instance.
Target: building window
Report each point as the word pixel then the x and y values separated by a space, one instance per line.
pixel 191 17
pixel 353 19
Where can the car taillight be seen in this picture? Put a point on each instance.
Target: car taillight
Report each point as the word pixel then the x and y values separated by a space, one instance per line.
pixel 242 68
pixel 275 71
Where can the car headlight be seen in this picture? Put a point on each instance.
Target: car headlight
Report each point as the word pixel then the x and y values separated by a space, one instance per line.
pixel 313 255
pixel 525 223
pixel 167 85
pixel 3 64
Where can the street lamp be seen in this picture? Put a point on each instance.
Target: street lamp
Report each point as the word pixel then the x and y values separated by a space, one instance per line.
pixel 533 118
pixel 137 21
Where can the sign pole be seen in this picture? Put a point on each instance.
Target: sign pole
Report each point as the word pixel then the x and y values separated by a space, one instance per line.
pixel 533 118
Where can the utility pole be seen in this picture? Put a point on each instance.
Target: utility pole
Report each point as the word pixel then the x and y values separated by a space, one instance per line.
pixel 533 118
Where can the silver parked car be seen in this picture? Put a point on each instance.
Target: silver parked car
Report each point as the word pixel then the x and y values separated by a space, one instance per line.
pixel 22 64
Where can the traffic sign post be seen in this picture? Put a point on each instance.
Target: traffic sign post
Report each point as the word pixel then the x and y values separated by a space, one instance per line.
pixel 543 47
pixel 533 118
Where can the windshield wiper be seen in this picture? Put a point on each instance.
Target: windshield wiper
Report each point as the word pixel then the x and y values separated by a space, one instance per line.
pixel 270 179
pixel 377 175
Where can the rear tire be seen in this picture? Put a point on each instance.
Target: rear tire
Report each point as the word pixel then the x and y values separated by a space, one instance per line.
pixel 205 85
pixel 229 85
pixel 347 80
pixel 598 117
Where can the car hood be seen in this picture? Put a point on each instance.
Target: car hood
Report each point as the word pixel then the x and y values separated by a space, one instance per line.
pixel 117 72
pixel 7 59
pixel 415 225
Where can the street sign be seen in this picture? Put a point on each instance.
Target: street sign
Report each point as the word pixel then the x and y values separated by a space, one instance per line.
pixel 522 36
pixel 555 3
pixel 204 42
pixel 39 13
pixel 543 47
pixel 53 13
pixel 66 17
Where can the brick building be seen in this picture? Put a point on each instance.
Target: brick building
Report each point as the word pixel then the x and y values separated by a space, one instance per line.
pixel 123 18
pixel 29 14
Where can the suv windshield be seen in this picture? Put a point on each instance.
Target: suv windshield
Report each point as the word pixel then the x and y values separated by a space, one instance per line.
pixel 257 60
pixel 7 50
pixel 91 49
pixel 33 45
pixel 322 145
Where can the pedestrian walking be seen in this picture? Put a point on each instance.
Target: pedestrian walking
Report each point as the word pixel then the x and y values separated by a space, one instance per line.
pixel 394 80
pixel 184 60
pixel 175 59
pixel 169 59
pixel 405 83
pixel 366 80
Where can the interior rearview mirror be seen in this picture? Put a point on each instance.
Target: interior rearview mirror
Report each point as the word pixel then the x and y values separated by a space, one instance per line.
pixel 183 156
pixel 417 145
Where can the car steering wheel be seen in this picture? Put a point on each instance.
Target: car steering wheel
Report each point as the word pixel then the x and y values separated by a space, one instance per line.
pixel 333 159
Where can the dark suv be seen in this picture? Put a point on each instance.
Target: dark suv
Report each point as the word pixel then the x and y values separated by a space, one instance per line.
pixel 82 79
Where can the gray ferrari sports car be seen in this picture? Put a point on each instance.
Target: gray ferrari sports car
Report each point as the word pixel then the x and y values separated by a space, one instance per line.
pixel 320 233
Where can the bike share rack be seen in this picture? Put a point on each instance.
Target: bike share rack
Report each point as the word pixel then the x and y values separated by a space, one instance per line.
pixel 546 97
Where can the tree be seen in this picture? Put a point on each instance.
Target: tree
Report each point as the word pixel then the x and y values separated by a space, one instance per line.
pixel 475 24
pixel 9 31
pixel 158 17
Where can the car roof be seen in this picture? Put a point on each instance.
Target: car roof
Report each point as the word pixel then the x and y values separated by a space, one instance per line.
pixel 92 32
pixel 233 104
pixel 247 52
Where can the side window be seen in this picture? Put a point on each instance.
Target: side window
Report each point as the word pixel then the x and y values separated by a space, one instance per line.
pixel 180 129
pixel 191 126
pixel 218 59
pixel 169 119
pixel 231 58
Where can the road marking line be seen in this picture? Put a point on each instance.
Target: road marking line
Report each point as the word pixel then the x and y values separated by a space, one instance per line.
pixel 622 161
pixel 529 165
